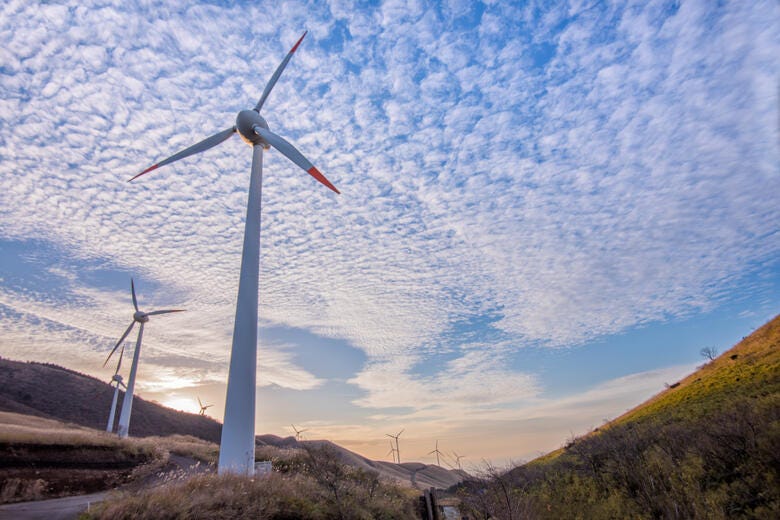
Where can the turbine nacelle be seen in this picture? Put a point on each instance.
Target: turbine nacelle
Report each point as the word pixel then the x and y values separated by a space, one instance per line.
pixel 246 123
pixel 140 317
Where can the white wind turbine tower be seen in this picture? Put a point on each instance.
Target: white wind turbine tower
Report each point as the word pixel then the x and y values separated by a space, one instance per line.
pixel 392 451
pixel 117 379
pixel 237 446
pixel 397 450
pixel 141 318
pixel 437 452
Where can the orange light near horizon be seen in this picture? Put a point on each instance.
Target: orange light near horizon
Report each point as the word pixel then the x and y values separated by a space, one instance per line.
pixel 181 403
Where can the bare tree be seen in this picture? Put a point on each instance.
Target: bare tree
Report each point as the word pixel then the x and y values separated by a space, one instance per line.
pixel 709 353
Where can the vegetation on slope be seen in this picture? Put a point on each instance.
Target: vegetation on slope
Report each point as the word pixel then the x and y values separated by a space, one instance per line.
pixel 42 458
pixel 312 484
pixel 707 447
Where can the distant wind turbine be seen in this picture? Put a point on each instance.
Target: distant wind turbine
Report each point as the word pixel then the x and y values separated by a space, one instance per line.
pixel 397 450
pixel 297 432
pixel 457 459
pixel 141 318
pixel 437 452
pixel 237 446
pixel 392 451
pixel 203 407
pixel 117 379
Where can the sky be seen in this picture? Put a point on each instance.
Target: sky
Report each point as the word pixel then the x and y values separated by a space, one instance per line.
pixel 547 208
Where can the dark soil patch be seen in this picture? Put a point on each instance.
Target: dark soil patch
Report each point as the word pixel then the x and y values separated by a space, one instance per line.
pixel 36 471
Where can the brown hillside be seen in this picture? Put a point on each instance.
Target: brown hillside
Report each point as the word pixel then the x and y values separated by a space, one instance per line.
pixel 55 392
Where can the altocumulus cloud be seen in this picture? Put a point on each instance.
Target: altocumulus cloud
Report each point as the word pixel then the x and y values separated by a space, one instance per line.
pixel 577 169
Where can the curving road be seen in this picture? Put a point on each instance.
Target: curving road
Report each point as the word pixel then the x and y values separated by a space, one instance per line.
pixel 66 508
pixel 69 508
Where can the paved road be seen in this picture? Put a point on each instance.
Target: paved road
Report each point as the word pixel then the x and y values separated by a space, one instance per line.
pixel 67 508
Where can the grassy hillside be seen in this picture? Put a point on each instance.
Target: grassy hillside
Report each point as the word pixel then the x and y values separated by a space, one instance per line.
pixel 43 458
pixel 748 371
pixel 54 392
pixel 707 447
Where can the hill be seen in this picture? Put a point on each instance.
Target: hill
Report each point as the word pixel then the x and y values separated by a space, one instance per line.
pixel 30 390
pixel 54 392
pixel 414 474
pixel 748 371
pixel 706 447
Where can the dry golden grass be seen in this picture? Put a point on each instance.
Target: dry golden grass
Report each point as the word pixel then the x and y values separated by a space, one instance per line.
pixel 25 429
pixel 59 449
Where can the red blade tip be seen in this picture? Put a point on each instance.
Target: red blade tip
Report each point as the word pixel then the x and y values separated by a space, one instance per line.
pixel 150 168
pixel 314 172
pixel 298 42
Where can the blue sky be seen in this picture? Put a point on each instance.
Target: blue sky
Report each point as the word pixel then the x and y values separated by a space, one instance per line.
pixel 547 208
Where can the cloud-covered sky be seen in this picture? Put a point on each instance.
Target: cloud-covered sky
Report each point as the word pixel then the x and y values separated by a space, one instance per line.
pixel 546 210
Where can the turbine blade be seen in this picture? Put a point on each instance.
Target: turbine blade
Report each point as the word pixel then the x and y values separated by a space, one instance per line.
pixel 209 142
pixel 119 342
pixel 271 82
pixel 154 313
pixel 121 354
pixel 294 155
pixel 132 290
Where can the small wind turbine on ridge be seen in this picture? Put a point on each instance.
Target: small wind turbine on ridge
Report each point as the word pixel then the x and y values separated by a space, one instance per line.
pixel 237 446
pixel 297 432
pixel 203 407
pixel 437 452
pixel 117 380
pixel 457 459
pixel 397 450
pixel 141 318
pixel 392 451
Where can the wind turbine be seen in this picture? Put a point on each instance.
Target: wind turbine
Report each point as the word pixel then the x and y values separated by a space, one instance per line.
pixel 138 317
pixel 203 407
pixel 457 459
pixel 297 432
pixel 237 446
pixel 437 452
pixel 117 378
pixel 392 451
pixel 397 451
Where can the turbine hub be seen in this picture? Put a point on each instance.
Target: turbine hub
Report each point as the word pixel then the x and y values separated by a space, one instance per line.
pixel 246 121
pixel 140 317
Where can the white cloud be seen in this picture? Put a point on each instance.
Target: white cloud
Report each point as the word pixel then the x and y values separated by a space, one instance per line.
pixel 631 179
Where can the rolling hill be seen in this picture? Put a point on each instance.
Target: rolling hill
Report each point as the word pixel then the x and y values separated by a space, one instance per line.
pixel 54 392
pixel 75 402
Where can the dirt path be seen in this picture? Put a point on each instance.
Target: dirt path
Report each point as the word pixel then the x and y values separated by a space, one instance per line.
pixel 69 508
